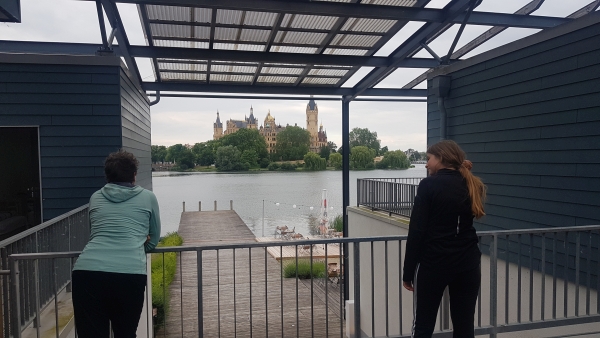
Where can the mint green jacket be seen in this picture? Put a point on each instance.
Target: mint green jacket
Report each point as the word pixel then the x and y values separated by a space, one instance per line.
pixel 121 218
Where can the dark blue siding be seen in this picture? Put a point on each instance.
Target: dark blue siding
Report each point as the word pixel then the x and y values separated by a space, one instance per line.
pixel 83 112
pixel 530 122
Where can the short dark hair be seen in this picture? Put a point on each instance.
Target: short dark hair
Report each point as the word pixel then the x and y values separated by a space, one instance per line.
pixel 120 166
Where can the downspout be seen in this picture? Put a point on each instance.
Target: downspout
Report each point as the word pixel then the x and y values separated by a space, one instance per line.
pixel 157 99
pixel 441 88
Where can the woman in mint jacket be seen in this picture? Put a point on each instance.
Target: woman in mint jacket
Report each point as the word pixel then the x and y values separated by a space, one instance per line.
pixel 109 277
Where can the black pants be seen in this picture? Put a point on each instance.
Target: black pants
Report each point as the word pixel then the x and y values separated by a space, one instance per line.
pixel 429 284
pixel 100 298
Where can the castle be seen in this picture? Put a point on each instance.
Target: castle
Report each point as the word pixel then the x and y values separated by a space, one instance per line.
pixel 269 129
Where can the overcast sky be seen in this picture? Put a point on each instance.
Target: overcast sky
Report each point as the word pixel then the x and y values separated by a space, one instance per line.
pixel 187 120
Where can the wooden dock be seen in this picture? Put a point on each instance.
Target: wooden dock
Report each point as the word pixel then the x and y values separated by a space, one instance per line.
pixel 243 291
pixel 318 251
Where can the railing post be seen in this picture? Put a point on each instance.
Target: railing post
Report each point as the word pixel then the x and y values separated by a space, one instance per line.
pixel 5 290
pixel 16 306
pixel 183 206
pixel 356 268
pixel 494 287
pixel 215 205
pixel 199 205
pixel 230 204
pixel 200 296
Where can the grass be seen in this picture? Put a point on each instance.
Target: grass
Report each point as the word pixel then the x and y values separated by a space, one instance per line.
pixel 303 270
pixel 337 224
pixel 163 268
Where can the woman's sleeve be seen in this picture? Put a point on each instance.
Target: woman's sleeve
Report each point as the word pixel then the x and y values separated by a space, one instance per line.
pixel 154 231
pixel 416 232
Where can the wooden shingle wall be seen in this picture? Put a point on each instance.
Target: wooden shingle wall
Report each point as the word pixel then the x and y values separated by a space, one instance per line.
pixel 530 122
pixel 81 116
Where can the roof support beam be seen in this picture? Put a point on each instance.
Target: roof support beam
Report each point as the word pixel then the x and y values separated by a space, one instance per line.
pixel 143 12
pixel 289 58
pixel 274 90
pixel 364 11
pixel 114 18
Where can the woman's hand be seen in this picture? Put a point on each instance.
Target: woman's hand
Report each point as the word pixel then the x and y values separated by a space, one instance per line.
pixel 148 239
pixel 408 286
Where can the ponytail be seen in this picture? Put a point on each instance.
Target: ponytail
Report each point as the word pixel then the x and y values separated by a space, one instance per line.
pixel 477 191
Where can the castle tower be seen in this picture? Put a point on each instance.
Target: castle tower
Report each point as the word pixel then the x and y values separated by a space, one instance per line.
pixel 312 123
pixel 252 122
pixel 218 128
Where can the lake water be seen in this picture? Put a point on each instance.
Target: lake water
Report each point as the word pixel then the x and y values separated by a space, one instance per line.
pixel 249 189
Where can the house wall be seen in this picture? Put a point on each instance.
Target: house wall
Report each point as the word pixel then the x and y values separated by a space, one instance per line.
pixel 76 103
pixel 528 116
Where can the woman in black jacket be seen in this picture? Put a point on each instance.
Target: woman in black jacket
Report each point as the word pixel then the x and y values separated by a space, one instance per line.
pixel 442 247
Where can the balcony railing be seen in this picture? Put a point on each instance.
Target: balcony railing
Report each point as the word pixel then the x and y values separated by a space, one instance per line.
pixel 392 195
pixel 531 279
pixel 68 232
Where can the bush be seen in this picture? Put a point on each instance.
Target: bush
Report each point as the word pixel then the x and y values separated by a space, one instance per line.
pixel 288 166
pixel 273 166
pixel 303 269
pixel 163 272
pixel 337 224
pixel 264 163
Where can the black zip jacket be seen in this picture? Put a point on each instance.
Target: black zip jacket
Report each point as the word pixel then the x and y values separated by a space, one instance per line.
pixel 441 233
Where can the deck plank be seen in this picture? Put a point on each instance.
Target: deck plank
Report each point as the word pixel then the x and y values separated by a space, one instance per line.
pixel 245 295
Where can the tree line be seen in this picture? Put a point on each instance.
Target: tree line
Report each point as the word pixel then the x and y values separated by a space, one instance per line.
pixel 246 149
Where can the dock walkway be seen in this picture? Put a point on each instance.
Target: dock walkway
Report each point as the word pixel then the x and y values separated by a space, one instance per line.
pixel 243 291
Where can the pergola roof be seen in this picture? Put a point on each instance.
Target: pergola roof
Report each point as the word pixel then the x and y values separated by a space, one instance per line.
pixel 296 46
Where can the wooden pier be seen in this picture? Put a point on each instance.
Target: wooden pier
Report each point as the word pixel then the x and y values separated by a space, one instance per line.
pixel 243 291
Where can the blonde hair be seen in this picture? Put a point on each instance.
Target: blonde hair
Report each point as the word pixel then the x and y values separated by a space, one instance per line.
pixel 452 156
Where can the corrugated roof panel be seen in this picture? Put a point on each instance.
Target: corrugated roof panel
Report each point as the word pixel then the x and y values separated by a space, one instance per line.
pixel 171 13
pixel 239 46
pixel 340 51
pixel 304 38
pixel 290 49
pixel 260 19
pixel 180 44
pixel 230 78
pixel 202 15
pixel 286 20
pixel 226 33
pixel 368 25
pixel 313 21
pixel 232 69
pixel 328 72
pixel 334 67
pixel 166 76
pixel 171 31
pixel 355 40
pixel 258 35
pixel 276 79
pixel 182 66
pixel 281 70
pixel 235 63
pixel 320 80
pixel 201 32
pixel 403 3
pixel 230 17
pixel 335 0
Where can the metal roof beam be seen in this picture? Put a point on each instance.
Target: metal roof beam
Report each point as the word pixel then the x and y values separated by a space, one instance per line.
pixel 291 58
pixel 38 47
pixel 364 11
pixel 275 90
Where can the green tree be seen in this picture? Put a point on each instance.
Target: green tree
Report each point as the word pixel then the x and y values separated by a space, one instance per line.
pixel 313 161
pixel 174 152
pixel 383 150
pixel 325 152
pixel 395 160
pixel 361 157
pixel 186 160
pixel 335 160
pixel 229 159
pixel 249 156
pixel 292 143
pixel 264 163
pixel 158 153
pixel 332 146
pixel 366 138
pixel 205 152
pixel 246 139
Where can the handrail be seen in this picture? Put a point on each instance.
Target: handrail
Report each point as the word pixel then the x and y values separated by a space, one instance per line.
pixel 41 226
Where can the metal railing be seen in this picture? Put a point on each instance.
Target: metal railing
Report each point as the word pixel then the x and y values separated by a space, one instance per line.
pixel 67 232
pixel 531 279
pixel 392 195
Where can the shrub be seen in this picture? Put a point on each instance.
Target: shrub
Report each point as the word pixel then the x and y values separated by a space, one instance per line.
pixel 288 166
pixel 264 163
pixel 303 270
pixel 273 166
pixel 337 224
pixel 163 272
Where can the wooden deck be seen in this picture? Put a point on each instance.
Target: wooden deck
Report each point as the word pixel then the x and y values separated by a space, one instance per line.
pixel 243 291
pixel 304 251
